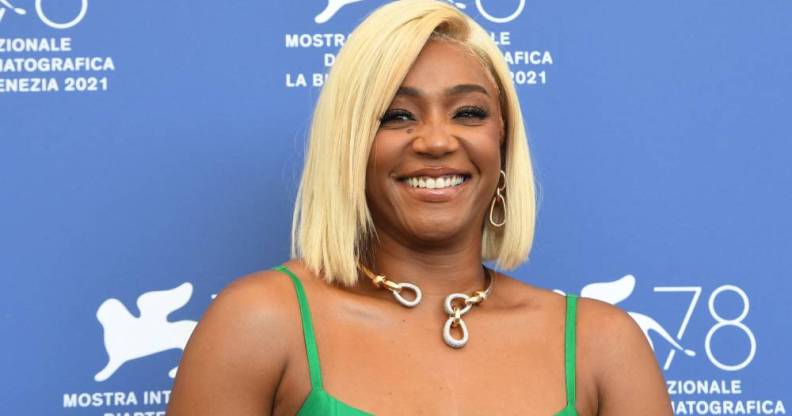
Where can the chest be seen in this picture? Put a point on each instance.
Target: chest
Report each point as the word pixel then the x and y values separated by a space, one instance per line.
pixel 401 366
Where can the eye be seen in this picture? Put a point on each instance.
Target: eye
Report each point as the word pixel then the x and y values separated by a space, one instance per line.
pixel 471 112
pixel 396 116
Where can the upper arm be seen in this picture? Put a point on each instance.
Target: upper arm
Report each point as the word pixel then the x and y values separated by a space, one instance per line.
pixel 629 380
pixel 237 354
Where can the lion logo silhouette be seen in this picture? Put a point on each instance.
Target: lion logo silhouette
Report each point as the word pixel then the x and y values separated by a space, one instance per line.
pixel 5 3
pixel 127 337
pixel 332 7
pixel 618 290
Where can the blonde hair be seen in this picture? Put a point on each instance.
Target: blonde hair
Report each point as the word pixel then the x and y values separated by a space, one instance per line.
pixel 332 225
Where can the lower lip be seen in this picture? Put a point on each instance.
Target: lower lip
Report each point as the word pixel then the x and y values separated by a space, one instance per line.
pixel 434 195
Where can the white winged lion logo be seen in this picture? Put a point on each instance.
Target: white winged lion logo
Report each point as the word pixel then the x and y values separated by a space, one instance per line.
pixel 333 6
pixel 127 337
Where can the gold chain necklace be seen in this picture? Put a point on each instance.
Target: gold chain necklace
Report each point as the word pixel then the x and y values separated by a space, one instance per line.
pixel 455 304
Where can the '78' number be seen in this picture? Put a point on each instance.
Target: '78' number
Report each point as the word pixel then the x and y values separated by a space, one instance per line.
pixel 720 322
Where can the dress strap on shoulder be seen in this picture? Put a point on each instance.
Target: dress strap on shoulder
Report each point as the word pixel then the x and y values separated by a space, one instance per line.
pixel 569 347
pixel 308 331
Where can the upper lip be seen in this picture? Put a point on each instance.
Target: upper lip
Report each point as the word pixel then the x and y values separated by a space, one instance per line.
pixel 433 172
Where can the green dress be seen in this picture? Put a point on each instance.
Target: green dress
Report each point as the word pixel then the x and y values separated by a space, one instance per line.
pixel 321 403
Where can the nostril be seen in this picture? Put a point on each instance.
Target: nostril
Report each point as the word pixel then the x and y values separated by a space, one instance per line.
pixel 435 144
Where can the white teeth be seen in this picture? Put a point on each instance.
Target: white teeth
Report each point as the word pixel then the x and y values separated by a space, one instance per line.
pixel 435 183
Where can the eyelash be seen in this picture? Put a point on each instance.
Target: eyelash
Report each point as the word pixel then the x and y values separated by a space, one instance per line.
pixel 469 112
pixel 392 115
pixel 474 112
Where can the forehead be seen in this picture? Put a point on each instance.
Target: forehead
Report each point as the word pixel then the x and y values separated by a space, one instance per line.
pixel 442 63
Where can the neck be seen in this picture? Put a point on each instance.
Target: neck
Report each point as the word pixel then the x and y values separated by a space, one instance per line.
pixel 437 271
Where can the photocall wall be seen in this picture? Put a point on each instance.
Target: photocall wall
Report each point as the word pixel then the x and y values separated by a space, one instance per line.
pixel 150 153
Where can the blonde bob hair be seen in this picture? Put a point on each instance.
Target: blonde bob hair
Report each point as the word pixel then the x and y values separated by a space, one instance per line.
pixel 332 226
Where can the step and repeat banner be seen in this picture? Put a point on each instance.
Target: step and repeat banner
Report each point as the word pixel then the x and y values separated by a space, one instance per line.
pixel 150 153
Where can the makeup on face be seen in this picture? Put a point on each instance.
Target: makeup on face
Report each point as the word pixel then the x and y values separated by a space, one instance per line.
pixel 436 155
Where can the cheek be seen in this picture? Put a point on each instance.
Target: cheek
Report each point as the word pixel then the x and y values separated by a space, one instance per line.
pixel 485 148
pixel 383 153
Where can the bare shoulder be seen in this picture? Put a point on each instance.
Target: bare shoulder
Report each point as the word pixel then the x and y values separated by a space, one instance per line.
pixel 609 335
pixel 602 330
pixel 620 360
pixel 238 352
pixel 616 372
pixel 608 327
pixel 265 296
pixel 260 301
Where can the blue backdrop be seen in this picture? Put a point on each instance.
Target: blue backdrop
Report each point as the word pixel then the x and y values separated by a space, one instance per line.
pixel 150 152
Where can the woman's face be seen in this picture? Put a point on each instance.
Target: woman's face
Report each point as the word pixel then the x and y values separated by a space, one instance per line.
pixel 435 160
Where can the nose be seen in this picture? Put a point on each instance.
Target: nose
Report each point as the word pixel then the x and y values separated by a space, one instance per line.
pixel 434 139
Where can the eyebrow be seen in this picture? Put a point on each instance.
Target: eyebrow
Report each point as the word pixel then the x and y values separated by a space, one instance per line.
pixel 455 90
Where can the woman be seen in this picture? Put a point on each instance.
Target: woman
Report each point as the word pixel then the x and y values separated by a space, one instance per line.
pixel 417 171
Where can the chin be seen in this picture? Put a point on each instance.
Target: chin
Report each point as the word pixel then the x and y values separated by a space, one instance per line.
pixel 438 232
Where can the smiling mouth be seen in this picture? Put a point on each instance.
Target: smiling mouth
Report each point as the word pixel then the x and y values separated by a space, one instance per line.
pixel 435 182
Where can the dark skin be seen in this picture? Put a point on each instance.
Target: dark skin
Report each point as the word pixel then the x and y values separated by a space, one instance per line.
pixel 247 355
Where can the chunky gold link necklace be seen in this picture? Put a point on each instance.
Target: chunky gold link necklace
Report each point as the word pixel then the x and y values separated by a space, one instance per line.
pixel 455 304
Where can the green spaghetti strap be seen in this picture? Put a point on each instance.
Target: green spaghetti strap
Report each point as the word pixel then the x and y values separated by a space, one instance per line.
pixel 569 347
pixel 308 331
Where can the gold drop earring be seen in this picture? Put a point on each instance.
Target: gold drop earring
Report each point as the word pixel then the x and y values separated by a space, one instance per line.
pixel 498 196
